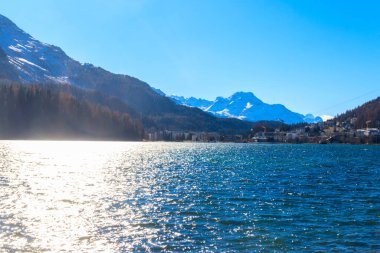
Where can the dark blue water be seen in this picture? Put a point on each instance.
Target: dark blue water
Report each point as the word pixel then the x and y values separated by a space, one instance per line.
pixel 196 197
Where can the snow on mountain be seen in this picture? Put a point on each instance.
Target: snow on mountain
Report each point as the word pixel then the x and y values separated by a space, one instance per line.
pixel 191 102
pixel 34 60
pixel 326 117
pixel 246 106
pixel 158 91
pixel 38 62
pixel 310 118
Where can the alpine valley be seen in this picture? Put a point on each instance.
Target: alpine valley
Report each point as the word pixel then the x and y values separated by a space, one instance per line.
pixel 39 80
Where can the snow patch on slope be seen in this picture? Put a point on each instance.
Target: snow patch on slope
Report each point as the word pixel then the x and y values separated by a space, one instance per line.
pixel 225 113
pixel 15 49
pixel 36 61
pixel 28 62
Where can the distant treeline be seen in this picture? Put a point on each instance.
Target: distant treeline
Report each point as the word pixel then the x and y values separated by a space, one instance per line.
pixel 38 112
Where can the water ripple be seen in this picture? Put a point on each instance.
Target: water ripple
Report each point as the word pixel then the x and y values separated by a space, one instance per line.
pixel 175 197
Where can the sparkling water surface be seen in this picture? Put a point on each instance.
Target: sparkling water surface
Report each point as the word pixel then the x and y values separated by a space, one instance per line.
pixel 194 197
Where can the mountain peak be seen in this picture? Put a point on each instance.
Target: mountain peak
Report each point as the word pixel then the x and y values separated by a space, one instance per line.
pixel 9 32
pixel 4 21
pixel 245 96
pixel 243 93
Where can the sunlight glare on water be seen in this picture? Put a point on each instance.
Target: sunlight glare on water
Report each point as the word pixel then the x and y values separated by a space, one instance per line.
pixel 125 196
pixel 61 191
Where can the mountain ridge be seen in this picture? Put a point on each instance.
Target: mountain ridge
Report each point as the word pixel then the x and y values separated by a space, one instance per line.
pixel 246 106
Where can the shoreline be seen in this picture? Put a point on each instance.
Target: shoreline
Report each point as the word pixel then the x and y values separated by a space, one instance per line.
pixel 186 142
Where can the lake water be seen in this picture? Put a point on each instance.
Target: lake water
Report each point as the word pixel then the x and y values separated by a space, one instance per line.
pixel 149 197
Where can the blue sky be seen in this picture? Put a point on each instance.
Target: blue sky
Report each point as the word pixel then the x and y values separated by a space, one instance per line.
pixel 320 56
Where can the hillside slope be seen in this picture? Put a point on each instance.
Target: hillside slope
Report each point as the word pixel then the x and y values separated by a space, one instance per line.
pixel 7 71
pixel 368 112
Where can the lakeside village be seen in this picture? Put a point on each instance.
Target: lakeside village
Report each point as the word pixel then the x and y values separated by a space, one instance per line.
pixel 330 131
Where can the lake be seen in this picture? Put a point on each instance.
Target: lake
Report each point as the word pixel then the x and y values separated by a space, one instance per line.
pixel 194 197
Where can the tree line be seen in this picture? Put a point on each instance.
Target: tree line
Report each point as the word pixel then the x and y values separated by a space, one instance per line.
pixel 28 112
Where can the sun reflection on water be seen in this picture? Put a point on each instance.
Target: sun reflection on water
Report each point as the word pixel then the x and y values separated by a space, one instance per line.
pixel 63 191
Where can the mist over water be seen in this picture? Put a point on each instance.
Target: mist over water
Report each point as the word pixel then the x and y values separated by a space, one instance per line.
pixel 141 197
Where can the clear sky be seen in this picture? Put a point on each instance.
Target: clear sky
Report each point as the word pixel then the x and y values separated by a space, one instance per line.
pixel 313 56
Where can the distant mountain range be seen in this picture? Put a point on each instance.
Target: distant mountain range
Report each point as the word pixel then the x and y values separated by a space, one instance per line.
pixel 246 106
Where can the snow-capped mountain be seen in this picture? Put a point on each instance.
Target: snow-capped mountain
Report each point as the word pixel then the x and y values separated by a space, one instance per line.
pixel 39 62
pixel 26 59
pixel 246 106
pixel 310 118
pixel 34 60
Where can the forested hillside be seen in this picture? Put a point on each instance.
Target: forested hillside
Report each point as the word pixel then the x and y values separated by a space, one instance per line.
pixel 366 113
pixel 33 112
